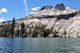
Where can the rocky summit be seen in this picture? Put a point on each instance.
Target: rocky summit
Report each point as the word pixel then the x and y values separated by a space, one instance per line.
pixel 62 20
pixel 60 6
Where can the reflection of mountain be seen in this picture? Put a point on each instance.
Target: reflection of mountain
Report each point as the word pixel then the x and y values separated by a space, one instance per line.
pixel 62 19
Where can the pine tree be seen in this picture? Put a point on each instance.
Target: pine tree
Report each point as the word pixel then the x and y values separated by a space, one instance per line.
pixel 64 32
pixel 12 27
pixel 55 33
pixel 18 31
pixel 35 33
pixel 9 29
pixel 22 29
pixel 5 31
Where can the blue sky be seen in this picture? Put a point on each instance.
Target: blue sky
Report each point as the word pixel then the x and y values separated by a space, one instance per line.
pixel 22 8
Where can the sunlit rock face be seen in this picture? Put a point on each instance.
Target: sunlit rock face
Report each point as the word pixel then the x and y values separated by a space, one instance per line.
pixel 64 23
pixel 63 19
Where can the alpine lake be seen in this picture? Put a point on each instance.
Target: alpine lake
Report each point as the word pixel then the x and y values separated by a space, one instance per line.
pixel 39 45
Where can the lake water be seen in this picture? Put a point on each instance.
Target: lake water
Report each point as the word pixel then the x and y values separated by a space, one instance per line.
pixel 39 45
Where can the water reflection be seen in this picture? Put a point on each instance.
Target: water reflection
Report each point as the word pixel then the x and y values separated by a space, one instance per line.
pixel 39 45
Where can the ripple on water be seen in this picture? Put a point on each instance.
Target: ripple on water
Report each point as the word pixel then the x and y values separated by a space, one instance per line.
pixel 39 45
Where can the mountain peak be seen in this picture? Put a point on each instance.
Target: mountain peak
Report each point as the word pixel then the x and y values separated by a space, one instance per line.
pixel 46 7
pixel 60 6
pixel 59 9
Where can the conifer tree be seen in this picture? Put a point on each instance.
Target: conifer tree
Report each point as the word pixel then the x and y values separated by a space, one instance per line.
pixel 22 29
pixel 12 27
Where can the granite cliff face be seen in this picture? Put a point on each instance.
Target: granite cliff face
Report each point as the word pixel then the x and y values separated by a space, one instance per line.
pixel 62 19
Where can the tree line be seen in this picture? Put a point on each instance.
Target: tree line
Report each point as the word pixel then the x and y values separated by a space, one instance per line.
pixel 11 30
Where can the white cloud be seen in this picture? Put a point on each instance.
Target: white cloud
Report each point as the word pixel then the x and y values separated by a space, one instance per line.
pixel 32 12
pixel 3 10
pixel 2 19
pixel 35 8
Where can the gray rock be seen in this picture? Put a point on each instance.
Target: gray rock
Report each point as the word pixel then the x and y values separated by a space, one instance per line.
pixel 60 6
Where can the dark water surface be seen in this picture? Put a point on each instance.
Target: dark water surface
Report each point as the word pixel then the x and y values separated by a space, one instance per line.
pixel 39 45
